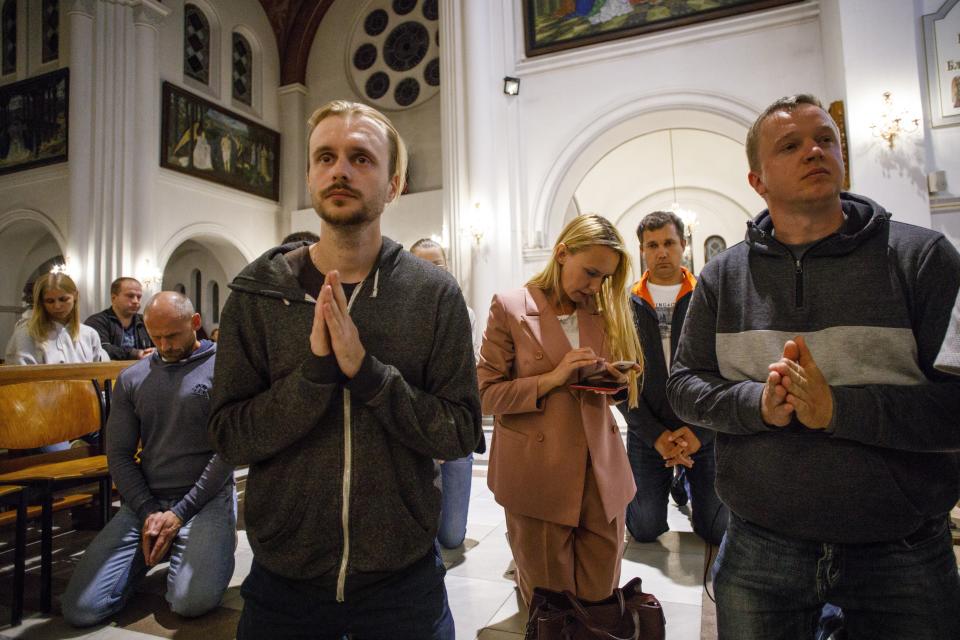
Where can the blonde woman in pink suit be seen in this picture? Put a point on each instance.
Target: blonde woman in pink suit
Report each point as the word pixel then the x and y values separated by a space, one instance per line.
pixel 557 464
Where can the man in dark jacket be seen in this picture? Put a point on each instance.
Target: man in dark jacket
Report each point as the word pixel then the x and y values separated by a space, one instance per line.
pixel 811 349
pixel 657 440
pixel 345 369
pixel 122 332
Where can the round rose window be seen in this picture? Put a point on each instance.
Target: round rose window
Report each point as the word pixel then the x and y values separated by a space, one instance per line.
pixel 393 59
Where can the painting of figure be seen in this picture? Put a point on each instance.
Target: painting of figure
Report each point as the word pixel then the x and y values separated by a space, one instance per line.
pixel 555 25
pixel 33 121
pixel 206 141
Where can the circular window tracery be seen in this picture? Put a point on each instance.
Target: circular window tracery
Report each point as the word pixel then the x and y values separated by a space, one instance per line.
pixel 393 59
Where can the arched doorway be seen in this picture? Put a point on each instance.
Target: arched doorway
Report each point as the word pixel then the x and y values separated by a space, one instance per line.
pixel 644 156
pixel 201 267
pixel 702 172
pixel 29 246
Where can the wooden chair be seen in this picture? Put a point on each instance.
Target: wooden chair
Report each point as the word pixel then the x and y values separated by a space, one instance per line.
pixel 16 497
pixel 43 412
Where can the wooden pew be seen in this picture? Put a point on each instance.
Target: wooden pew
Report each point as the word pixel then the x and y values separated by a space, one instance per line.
pixel 45 404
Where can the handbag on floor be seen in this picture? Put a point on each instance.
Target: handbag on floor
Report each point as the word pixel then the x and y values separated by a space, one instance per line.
pixel 628 614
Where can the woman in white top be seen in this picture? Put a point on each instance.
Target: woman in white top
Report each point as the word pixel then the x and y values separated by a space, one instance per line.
pixel 53 333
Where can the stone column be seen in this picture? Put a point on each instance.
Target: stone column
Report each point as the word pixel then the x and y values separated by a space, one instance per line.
pixel 293 154
pixel 147 18
pixel 79 251
pixel 114 123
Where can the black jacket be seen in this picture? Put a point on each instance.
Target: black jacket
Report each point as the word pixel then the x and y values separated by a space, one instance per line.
pixel 342 473
pixel 108 326
pixel 653 414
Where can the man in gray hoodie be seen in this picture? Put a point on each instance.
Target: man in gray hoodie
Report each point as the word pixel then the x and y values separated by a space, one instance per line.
pixel 179 499
pixel 345 369
pixel 810 349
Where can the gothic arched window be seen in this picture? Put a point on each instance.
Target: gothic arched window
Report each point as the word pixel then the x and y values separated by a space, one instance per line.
pixel 196 44
pixel 50 31
pixel 8 30
pixel 242 81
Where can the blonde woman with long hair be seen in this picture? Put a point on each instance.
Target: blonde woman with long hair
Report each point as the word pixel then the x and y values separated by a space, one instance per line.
pixel 53 334
pixel 557 463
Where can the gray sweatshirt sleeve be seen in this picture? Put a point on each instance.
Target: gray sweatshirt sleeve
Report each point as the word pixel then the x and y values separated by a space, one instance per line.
pixel 441 420
pixel 217 473
pixel 922 417
pixel 697 392
pixel 123 438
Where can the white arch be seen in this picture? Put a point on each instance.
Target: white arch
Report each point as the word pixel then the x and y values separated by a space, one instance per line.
pixel 724 115
pixel 210 231
pixel 14 216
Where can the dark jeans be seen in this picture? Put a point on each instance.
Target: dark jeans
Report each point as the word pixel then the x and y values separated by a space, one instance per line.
pixel 408 605
pixel 647 512
pixel 772 587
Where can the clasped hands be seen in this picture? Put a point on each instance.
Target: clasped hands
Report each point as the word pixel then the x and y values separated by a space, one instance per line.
pixel 795 385
pixel 157 534
pixel 333 329
pixel 677 446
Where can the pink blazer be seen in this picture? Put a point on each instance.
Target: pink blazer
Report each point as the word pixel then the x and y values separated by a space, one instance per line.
pixel 538 459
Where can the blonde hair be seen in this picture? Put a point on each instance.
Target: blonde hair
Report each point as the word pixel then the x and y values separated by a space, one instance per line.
pixel 40 323
pixel 620 332
pixel 345 108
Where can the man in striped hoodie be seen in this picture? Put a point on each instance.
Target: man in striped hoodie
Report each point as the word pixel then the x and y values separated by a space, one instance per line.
pixel 810 349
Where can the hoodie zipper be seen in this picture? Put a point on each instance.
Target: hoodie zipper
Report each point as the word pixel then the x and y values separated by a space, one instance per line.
pixel 798 279
pixel 347 466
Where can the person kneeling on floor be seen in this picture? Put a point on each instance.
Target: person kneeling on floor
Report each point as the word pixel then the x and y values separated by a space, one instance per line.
pixel 180 499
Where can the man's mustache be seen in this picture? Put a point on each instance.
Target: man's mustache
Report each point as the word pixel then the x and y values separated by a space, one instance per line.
pixel 340 186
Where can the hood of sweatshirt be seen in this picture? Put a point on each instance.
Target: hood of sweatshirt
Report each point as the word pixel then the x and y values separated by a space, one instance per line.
pixel 271 274
pixel 862 218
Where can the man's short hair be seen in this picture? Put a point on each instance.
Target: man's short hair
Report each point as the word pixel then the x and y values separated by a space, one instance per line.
pixel 658 220
pixel 298 236
pixel 117 284
pixel 343 108
pixel 786 103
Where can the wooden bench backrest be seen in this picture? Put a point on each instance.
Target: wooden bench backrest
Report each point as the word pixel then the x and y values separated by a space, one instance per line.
pixel 42 412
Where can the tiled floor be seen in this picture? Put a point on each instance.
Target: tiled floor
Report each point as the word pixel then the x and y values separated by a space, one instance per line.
pixel 484 603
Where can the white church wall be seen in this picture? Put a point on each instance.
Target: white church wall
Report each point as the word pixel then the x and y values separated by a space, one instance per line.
pixel 563 97
pixel 182 201
pixel 880 54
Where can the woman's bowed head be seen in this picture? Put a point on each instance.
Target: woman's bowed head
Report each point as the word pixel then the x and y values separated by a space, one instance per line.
pixel 589 269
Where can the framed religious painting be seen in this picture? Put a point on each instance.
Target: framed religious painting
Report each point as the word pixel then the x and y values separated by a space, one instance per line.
pixel 204 140
pixel 556 25
pixel 941 35
pixel 33 121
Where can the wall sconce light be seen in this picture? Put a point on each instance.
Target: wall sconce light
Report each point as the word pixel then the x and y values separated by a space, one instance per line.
pixel 150 276
pixel 893 122
pixel 69 267
pixel 475 226
pixel 511 86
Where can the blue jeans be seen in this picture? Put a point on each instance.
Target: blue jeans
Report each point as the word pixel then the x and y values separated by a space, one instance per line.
pixel 647 512
pixel 201 563
pixel 772 587
pixel 455 478
pixel 410 604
